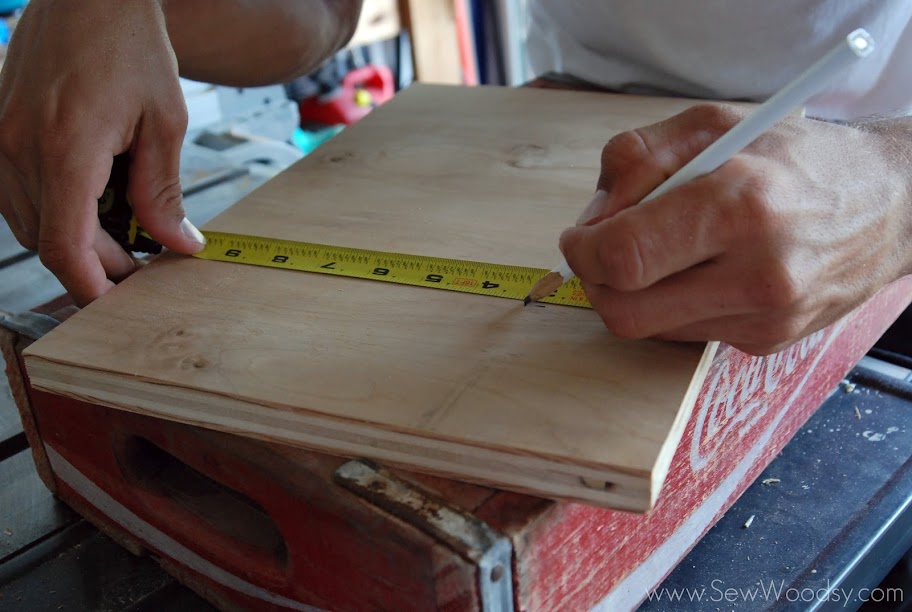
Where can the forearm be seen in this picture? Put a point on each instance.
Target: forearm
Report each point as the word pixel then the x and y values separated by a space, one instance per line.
pixel 892 167
pixel 246 43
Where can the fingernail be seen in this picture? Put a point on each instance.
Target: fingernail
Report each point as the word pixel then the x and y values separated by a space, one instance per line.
pixel 192 233
pixel 592 209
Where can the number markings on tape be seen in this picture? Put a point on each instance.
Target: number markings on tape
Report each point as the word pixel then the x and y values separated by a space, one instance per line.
pixel 497 280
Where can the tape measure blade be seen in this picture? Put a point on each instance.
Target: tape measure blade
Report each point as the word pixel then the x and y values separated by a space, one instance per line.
pixel 479 278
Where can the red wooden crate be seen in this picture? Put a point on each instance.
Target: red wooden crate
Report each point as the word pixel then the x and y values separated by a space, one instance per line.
pixel 260 526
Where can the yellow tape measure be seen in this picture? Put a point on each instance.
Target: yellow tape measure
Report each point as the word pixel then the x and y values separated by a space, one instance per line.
pixel 496 280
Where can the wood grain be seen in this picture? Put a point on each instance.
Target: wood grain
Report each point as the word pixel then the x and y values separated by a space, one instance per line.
pixel 538 400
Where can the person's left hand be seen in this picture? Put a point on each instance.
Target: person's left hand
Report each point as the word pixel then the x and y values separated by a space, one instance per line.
pixel 785 238
pixel 84 82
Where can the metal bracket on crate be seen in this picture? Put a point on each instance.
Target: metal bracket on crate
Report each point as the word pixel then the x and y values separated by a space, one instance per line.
pixel 32 325
pixel 470 537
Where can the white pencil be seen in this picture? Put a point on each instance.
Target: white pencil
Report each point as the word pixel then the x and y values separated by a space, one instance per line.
pixel 856 46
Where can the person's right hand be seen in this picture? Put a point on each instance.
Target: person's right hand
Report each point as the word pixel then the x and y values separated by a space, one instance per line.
pixel 82 82
pixel 790 235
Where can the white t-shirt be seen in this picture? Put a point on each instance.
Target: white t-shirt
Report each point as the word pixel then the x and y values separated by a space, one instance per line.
pixel 727 49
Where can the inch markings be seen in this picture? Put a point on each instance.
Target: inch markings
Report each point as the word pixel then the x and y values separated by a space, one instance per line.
pixel 497 280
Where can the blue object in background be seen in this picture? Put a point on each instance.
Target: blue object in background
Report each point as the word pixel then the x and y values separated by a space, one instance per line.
pixel 4 32
pixel 8 6
pixel 307 140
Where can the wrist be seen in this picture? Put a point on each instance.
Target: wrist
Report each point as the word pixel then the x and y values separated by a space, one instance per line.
pixel 894 145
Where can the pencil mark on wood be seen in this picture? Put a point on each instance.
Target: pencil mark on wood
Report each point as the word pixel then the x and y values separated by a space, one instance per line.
pixel 434 416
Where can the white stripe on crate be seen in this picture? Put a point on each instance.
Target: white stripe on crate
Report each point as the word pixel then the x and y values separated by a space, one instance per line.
pixel 158 539
pixel 635 586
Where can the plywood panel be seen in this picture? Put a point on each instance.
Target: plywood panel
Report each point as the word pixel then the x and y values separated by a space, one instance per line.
pixel 540 400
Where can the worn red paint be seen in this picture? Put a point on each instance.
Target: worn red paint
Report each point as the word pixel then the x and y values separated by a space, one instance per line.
pixel 343 553
pixel 579 555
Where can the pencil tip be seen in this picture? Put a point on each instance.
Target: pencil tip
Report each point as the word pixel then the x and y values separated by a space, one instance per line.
pixel 527 300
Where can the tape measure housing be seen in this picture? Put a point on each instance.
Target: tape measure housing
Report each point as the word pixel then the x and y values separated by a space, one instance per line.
pixel 496 280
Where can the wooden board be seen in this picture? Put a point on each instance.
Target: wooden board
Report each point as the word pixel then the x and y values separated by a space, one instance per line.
pixel 539 400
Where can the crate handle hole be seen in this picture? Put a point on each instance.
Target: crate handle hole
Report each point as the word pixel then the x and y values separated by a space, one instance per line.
pixel 227 511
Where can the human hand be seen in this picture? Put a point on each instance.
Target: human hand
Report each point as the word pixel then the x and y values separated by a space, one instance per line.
pixel 85 81
pixel 785 238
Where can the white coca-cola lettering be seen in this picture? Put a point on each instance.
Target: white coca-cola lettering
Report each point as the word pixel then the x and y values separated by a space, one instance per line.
pixel 734 402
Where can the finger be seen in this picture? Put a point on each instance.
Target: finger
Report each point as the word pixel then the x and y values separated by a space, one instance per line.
pixel 27 238
pixel 28 222
pixel 117 263
pixel 595 207
pixel 602 206
pixel 17 209
pixel 66 240
pixel 633 163
pixel 747 333
pixel 723 329
pixel 761 333
pixel 637 161
pixel 642 245
pixel 154 181
pixel 22 234
pixel 699 294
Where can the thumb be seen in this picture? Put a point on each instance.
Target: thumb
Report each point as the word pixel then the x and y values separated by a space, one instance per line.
pixel 154 181
pixel 635 162
pixel 599 207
